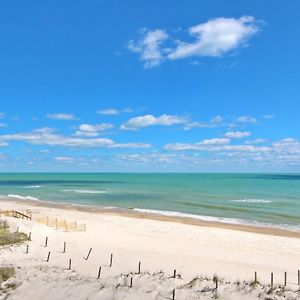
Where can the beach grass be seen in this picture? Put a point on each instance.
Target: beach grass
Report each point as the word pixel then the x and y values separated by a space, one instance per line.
pixel 8 238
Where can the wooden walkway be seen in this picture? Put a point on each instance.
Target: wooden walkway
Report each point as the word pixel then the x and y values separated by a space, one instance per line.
pixel 14 214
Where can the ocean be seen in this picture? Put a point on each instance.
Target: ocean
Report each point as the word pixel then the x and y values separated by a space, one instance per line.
pixel 257 199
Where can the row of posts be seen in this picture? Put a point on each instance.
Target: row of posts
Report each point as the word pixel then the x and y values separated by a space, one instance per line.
pixel 139 267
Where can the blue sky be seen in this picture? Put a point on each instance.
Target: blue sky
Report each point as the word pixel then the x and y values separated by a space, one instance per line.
pixel 149 86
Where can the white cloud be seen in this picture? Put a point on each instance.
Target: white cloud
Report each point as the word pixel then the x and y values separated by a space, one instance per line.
pixel 256 141
pixel 150 120
pixel 149 47
pixel 207 144
pixel 47 136
pixel 61 116
pixel 213 38
pixel 88 130
pixel 66 159
pixel 114 111
pixel 214 122
pixel 246 119
pixel 2 115
pixel 2 125
pixel 237 134
pixel 108 111
pixel 216 37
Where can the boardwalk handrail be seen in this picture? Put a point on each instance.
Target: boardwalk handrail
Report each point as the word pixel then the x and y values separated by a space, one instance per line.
pixel 14 214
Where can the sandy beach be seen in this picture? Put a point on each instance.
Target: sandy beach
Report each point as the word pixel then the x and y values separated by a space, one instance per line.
pixel 161 244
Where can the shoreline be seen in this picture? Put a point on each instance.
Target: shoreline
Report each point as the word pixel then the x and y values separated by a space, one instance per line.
pixel 131 213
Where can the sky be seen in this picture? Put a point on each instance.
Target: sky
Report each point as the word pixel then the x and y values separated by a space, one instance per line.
pixel 149 86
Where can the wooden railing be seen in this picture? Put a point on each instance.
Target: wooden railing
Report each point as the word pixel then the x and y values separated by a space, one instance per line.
pixel 14 214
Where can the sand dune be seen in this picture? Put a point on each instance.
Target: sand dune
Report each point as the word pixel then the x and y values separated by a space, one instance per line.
pixel 161 247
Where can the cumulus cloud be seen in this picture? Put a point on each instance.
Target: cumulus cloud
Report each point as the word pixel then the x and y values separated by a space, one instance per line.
pixel 246 119
pixel 216 37
pixel 61 116
pixel 150 47
pixel 66 159
pixel 150 120
pixel 214 122
pixel 207 144
pixel 88 130
pixel 256 141
pixel 213 38
pixel 108 111
pixel 47 136
pixel 237 134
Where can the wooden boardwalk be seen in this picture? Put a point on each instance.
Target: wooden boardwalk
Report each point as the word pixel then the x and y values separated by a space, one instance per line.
pixel 15 214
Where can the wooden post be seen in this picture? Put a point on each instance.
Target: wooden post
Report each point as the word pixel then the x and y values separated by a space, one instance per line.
pixel 48 257
pixel 173 295
pixel 65 245
pixel 255 277
pixel 111 260
pixel 174 274
pixel 130 282
pixel 87 257
pixel 139 268
pixel 27 248
pixel 29 236
pixel 285 277
pixel 271 279
pixel 46 241
pixel 70 264
pixel 215 280
pixel 298 277
pixel 99 273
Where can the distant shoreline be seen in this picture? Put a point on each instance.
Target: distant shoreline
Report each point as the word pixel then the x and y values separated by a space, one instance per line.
pixel 131 213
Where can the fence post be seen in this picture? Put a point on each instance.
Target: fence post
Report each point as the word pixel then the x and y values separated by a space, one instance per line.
pixel 111 260
pixel 271 279
pixel 130 282
pixel 46 241
pixel 27 248
pixel 99 273
pixel 65 244
pixel 285 278
pixel 139 268
pixel 173 295
pixel 87 257
pixel 70 264
pixel 48 257
pixel 255 277
pixel 174 274
pixel 29 236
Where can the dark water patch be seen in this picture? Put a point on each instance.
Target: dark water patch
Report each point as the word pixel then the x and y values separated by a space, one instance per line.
pixel 56 182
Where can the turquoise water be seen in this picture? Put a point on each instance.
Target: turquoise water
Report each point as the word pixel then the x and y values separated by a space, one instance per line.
pixel 262 199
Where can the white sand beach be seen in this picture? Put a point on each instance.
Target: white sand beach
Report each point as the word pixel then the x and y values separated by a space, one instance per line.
pixel 194 250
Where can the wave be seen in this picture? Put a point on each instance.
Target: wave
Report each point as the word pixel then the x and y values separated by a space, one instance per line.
pixel 233 221
pixel 87 191
pixel 32 187
pixel 22 197
pixel 252 201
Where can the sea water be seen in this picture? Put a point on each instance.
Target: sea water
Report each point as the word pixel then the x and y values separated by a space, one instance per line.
pixel 260 199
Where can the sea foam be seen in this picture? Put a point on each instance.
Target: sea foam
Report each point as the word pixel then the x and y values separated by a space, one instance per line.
pixel 22 197
pixel 252 201
pixel 87 191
